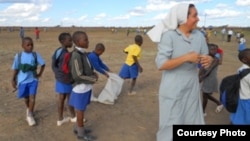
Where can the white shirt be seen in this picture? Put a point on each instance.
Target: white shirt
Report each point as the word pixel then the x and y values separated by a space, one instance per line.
pixel 245 84
pixel 230 32
pixel 242 40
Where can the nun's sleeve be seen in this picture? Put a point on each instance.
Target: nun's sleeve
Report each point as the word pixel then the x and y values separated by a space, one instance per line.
pixel 165 50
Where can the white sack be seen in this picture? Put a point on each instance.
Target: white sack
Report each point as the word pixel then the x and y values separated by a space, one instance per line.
pixel 111 90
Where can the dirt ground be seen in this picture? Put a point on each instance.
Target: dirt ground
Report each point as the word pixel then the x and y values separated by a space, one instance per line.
pixel 131 118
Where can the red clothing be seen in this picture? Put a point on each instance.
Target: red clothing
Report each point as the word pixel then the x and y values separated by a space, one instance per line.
pixel 37 32
pixel 220 51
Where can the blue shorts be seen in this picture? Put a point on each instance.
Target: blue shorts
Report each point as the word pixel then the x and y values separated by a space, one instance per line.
pixel 27 89
pixel 80 101
pixel 129 71
pixel 63 88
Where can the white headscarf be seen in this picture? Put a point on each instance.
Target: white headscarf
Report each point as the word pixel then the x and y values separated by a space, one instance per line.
pixel 176 16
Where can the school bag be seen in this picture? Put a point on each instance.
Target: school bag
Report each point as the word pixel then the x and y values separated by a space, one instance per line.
pixel 65 68
pixel 27 67
pixel 229 90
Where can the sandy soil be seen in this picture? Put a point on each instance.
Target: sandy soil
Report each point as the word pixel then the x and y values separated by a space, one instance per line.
pixel 131 118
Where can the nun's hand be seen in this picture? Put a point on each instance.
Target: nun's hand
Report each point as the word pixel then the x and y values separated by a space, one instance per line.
pixel 205 60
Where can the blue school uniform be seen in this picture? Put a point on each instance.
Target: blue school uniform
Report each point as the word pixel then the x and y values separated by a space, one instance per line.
pixel 242 114
pixel 80 101
pixel 129 71
pixel 241 46
pixel 63 88
pixel 97 63
pixel 26 81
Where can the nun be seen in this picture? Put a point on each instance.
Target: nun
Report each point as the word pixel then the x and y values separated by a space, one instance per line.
pixel 181 48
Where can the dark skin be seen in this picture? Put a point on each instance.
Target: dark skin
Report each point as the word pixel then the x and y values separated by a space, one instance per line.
pixel 205 73
pixel 66 43
pixel 99 52
pixel 139 43
pixel 246 59
pixel 27 45
pixel 82 42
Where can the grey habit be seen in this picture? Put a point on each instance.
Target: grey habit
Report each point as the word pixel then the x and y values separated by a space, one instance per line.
pixel 179 92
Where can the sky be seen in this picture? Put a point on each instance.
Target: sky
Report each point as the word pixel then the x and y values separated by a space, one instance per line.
pixel 118 13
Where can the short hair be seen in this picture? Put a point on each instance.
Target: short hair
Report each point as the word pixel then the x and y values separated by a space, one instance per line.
pixel 242 54
pixel 100 46
pixel 26 39
pixel 138 39
pixel 210 45
pixel 63 36
pixel 76 35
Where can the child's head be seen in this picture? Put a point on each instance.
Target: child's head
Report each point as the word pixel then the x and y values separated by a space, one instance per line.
pixel 65 39
pixel 99 49
pixel 138 40
pixel 241 35
pixel 80 39
pixel 244 56
pixel 27 44
pixel 212 49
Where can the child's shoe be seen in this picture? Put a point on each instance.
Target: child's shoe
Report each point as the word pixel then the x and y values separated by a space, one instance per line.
pixel 31 121
pixel 132 93
pixel 86 131
pixel 204 114
pixel 81 135
pixel 219 108
pixel 64 120
pixel 74 120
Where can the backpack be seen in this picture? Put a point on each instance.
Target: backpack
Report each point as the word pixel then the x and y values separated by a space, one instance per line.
pixel 229 90
pixel 27 67
pixel 66 60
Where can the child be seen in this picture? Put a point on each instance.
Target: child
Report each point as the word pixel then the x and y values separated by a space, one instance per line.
pixel 37 33
pixel 63 84
pixel 95 60
pixel 242 114
pixel 25 78
pixel 131 67
pixel 84 77
pixel 209 78
pixel 242 42
pixel 21 33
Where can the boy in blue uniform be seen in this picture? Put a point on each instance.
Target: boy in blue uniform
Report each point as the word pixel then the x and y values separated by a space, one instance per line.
pixel 63 80
pixel 242 114
pixel 132 67
pixel 84 77
pixel 25 77
pixel 95 60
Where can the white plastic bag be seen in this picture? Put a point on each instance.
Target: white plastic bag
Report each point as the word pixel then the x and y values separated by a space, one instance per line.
pixel 111 90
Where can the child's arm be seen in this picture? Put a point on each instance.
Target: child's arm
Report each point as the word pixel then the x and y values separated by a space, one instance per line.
pixel 41 62
pixel 41 71
pixel 202 72
pixel 138 64
pixel 14 79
